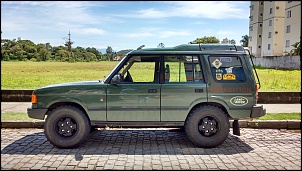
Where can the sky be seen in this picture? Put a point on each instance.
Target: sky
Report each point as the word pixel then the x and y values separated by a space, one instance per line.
pixel 123 24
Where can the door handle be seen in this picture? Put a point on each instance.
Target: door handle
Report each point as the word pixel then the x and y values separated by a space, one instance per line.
pixel 199 90
pixel 152 90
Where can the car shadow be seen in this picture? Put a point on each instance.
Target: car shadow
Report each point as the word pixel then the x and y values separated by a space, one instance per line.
pixel 127 142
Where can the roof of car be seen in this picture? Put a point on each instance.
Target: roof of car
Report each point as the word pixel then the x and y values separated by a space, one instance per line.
pixel 192 47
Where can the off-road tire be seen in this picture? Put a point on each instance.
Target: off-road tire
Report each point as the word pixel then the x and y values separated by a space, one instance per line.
pixel 66 127
pixel 207 126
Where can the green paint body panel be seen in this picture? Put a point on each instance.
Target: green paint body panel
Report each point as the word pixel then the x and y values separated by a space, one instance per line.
pixel 158 101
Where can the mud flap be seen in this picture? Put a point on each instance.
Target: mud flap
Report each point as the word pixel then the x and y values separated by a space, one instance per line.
pixel 236 129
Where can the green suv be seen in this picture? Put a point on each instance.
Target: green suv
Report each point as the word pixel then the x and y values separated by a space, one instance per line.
pixel 197 87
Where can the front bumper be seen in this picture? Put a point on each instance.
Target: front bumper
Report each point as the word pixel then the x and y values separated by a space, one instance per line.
pixel 258 111
pixel 36 113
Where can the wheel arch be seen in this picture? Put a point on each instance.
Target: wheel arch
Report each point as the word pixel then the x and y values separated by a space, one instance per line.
pixel 215 104
pixel 74 104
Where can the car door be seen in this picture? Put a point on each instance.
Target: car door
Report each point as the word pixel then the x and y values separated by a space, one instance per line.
pixel 137 96
pixel 183 87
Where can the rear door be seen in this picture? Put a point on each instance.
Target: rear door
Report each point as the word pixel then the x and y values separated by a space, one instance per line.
pixel 230 84
pixel 183 87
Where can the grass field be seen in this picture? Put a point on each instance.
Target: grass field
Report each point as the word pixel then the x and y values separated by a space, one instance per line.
pixel 268 116
pixel 32 75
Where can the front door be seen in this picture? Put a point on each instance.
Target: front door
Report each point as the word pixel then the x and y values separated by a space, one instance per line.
pixel 137 96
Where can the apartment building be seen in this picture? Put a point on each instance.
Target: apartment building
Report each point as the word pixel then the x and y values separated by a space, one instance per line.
pixel 274 27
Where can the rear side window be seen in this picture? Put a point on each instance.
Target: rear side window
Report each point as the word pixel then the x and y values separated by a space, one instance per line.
pixel 182 69
pixel 227 69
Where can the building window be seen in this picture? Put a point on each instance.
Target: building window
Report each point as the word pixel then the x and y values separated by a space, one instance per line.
pixel 252 7
pixel 261 14
pixel 270 22
pixel 260 25
pixel 250 38
pixel 270 10
pixel 287 43
pixel 261 3
pixel 289 14
pixel 259 46
pixel 251 18
pixel 269 34
pixel 260 36
pixel 288 29
pixel 251 28
pixel 269 47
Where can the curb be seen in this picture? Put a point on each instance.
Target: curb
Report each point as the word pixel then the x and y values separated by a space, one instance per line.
pixel 256 124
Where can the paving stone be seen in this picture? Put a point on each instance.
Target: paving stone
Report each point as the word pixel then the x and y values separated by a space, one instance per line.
pixel 152 149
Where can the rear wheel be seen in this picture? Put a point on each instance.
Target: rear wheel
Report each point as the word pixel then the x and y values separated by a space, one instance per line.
pixel 207 126
pixel 66 127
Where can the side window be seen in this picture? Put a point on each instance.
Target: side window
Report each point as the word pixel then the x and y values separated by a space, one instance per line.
pixel 141 69
pixel 227 69
pixel 182 68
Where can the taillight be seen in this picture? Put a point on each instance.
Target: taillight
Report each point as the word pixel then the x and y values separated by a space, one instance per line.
pixel 256 87
pixel 33 98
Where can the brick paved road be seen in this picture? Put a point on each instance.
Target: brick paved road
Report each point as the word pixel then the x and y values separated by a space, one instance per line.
pixel 163 149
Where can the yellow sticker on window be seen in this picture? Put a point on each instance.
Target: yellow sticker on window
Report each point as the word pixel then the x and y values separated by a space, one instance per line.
pixel 229 77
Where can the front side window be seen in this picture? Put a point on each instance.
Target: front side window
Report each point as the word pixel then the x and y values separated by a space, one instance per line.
pixel 182 68
pixel 227 69
pixel 141 69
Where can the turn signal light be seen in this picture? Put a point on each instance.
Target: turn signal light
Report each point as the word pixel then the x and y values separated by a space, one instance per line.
pixel 33 98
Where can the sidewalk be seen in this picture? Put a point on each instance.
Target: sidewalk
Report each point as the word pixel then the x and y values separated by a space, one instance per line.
pixel 270 108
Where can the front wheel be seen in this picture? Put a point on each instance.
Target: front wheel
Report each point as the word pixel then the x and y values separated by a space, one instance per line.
pixel 207 126
pixel 66 127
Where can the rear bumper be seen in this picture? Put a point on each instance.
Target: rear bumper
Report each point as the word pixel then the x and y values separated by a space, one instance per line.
pixel 258 111
pixel 36 113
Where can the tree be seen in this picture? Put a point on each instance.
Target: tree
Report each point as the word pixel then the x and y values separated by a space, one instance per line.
pixel 296 50
pixel 245 41
pixel 233 42
pixel 205 40
pixel 97 53
pixel 109 53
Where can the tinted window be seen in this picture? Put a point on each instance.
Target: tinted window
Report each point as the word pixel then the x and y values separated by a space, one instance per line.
pixel 227 69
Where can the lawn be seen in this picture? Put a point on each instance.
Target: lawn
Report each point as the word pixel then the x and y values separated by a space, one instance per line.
pixel 31 75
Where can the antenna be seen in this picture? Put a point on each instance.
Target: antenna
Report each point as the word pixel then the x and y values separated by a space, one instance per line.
pixel 140 47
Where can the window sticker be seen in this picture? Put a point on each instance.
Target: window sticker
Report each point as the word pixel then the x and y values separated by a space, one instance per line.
pixel 239 101
pixel 219 70
pixel 229 77
pixel 225 59
pixel 218 76
pixel 229 70
pixel 216 63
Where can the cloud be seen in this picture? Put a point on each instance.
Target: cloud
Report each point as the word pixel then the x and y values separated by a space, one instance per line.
pixel 45 14
pixel 195 9
pixel 92 31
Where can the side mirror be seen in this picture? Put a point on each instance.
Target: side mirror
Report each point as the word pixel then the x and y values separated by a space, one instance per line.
pixel 116 79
